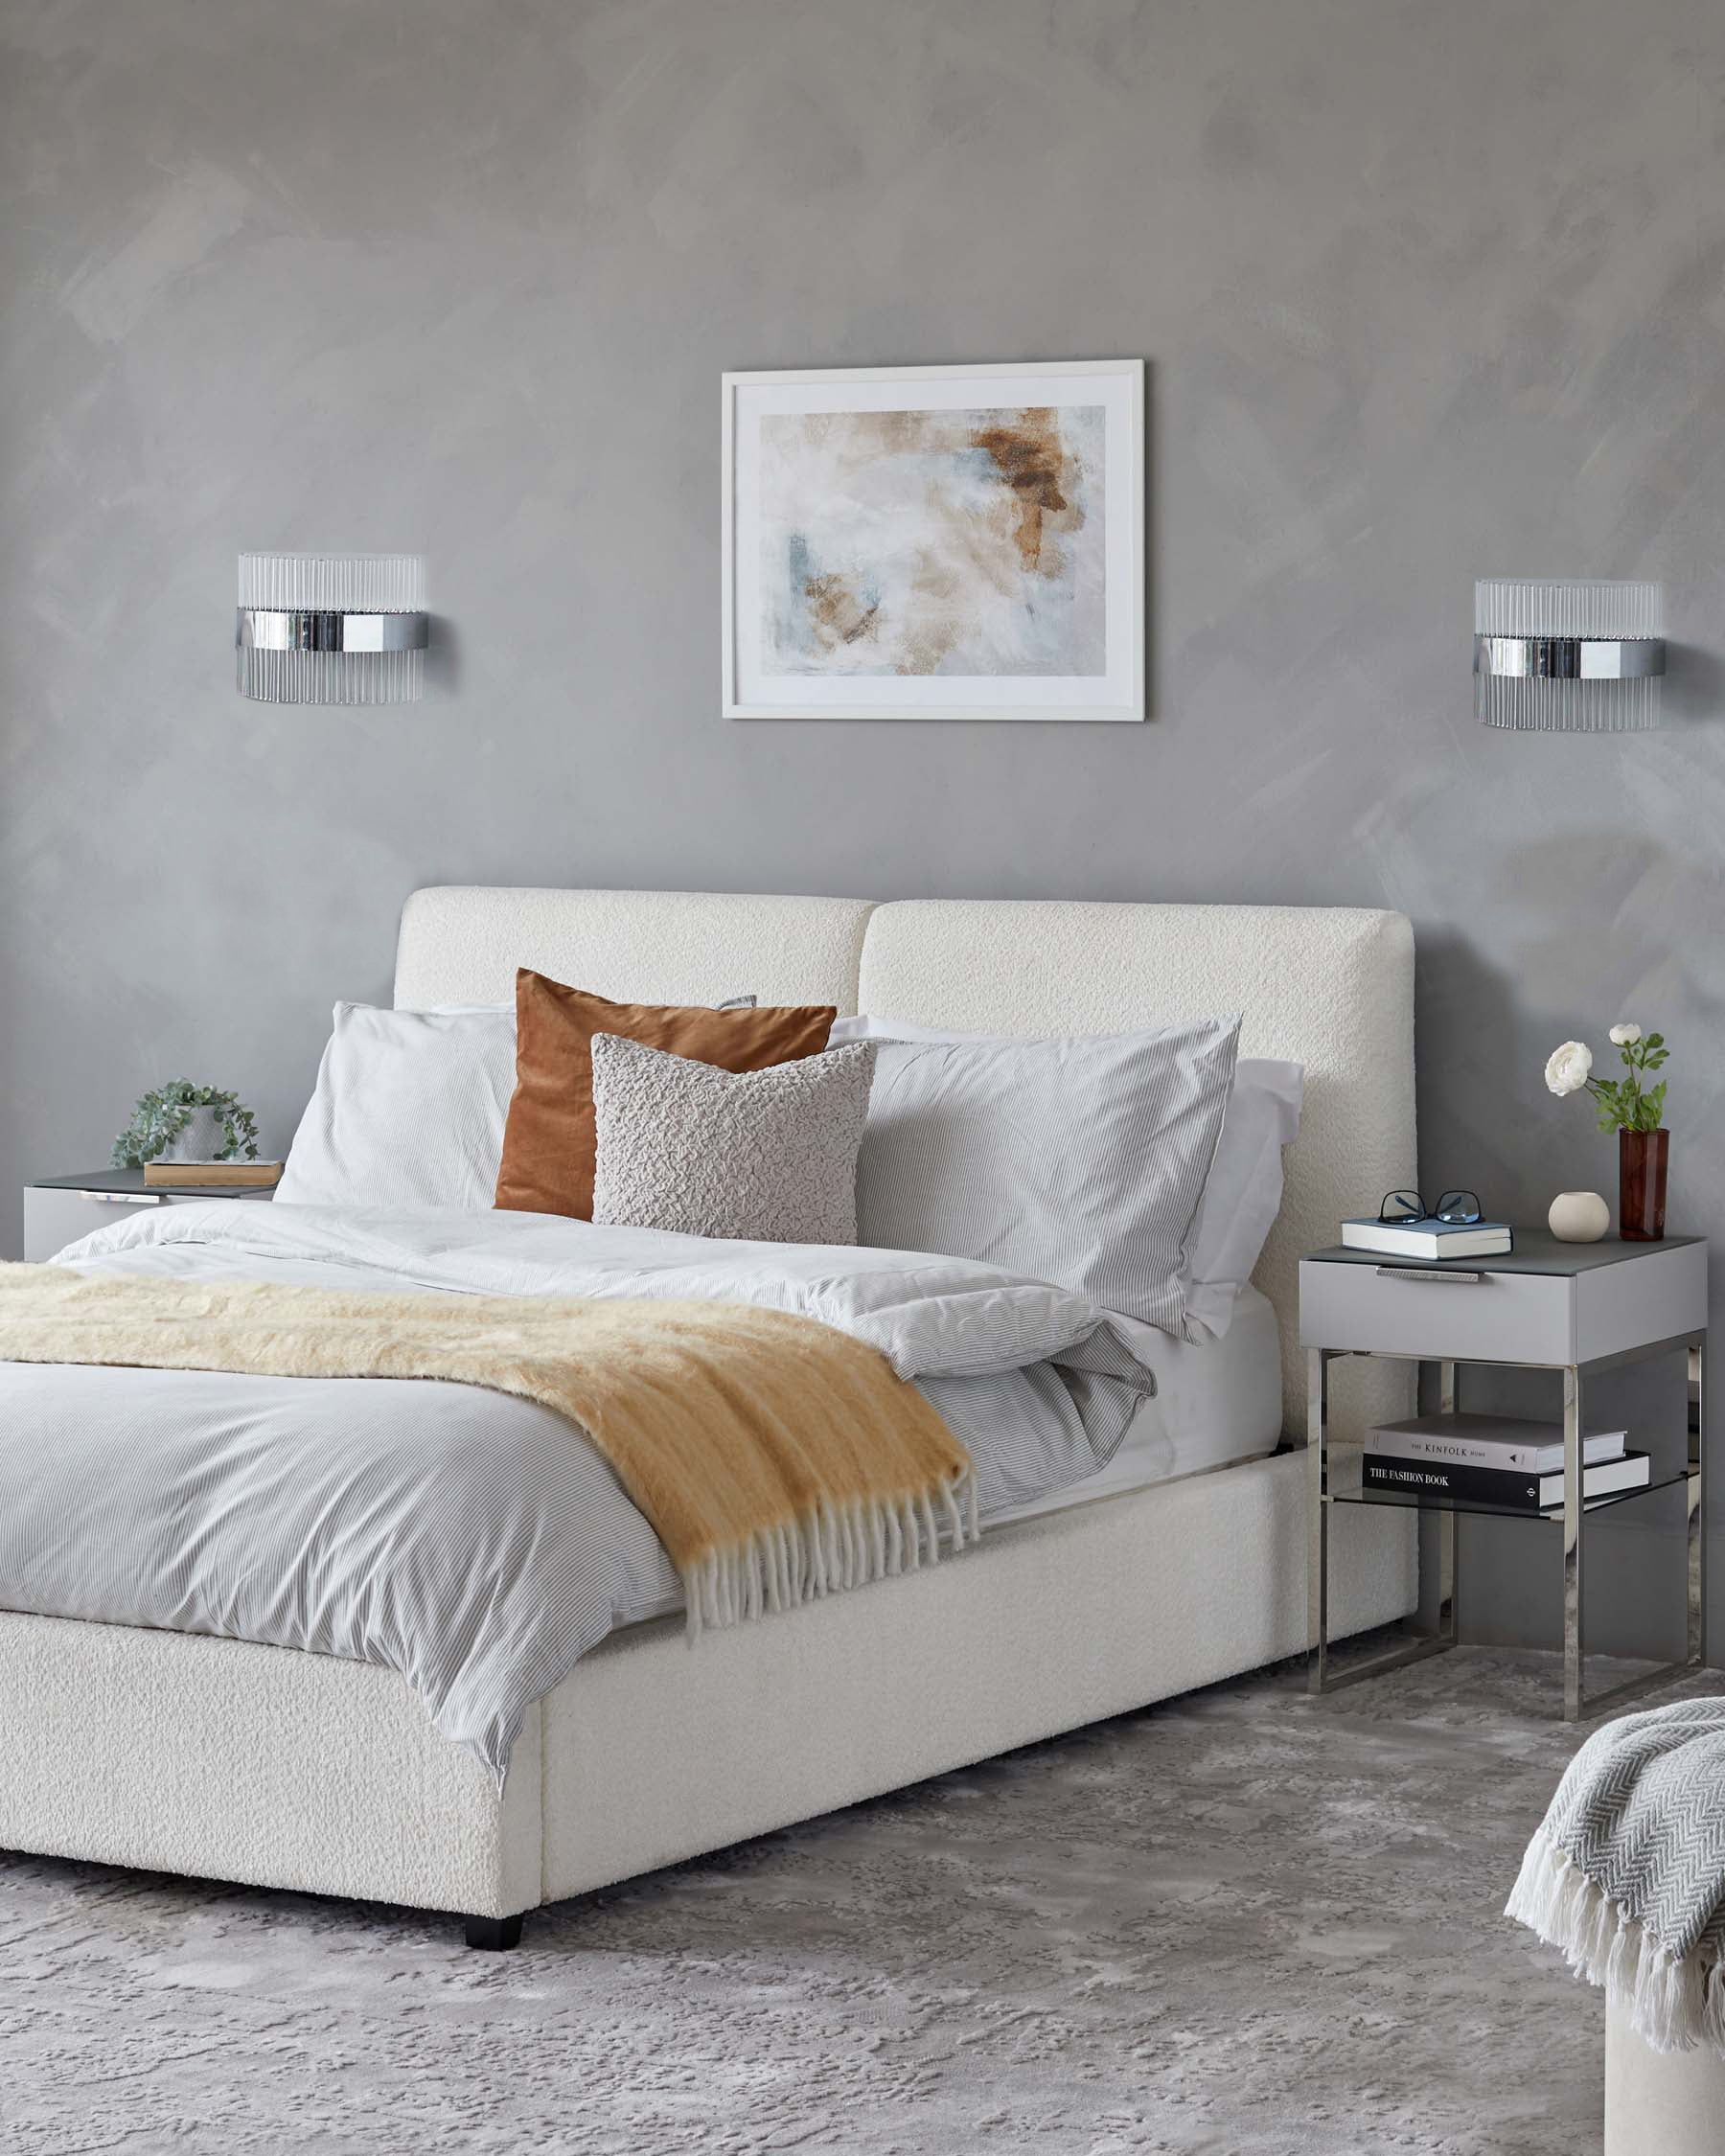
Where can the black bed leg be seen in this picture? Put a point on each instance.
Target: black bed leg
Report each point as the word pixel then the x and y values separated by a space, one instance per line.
pixel 493 1935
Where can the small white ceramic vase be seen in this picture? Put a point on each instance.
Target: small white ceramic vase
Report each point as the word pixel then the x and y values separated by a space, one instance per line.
pixel 1579 1216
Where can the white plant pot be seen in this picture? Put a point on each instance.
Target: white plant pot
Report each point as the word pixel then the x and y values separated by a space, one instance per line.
pixel 202 1138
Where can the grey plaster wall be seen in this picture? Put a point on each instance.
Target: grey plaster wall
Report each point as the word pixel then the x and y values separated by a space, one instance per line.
pixel 1428 292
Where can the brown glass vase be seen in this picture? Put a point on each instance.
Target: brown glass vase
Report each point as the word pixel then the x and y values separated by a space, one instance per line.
pixel 1642 1185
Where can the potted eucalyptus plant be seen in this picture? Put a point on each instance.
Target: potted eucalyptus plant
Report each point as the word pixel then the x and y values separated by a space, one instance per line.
pixel 186 1122
pixel 1636 1111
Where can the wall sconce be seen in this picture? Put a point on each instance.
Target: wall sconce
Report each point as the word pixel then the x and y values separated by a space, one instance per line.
pixel 332 628
pixel 1574 658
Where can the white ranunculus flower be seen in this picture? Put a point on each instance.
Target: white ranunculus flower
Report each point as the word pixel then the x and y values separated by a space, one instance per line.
pixel 1624 1036
pixel 1569 1068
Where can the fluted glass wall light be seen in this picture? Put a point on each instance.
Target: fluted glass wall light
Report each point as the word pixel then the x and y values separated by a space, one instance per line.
pixel 1568 658
pixel 332 628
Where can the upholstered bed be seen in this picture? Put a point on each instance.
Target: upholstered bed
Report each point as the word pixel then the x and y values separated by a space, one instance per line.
pixel 220 1757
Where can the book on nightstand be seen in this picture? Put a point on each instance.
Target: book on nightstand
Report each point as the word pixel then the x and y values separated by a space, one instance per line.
pixel 1485 1485
pixel 1494 1460
pixel 1429 1238
pixel 212 1175
pixel 1515 1443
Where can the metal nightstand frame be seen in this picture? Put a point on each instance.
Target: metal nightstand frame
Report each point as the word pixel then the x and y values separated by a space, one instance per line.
pixel 1576 1702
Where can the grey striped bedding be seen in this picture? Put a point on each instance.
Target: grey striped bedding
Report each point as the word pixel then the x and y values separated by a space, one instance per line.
pixel 469 1540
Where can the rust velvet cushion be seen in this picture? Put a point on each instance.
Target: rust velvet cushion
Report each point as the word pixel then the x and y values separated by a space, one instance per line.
pixel 548 1142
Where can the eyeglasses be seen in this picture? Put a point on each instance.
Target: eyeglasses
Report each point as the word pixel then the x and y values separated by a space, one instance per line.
pixel 1457 1209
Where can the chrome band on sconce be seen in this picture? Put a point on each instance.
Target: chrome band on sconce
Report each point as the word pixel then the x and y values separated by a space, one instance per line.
pixel 1571 658
pixel 1568 658
pixel 304 629
pixel 332 629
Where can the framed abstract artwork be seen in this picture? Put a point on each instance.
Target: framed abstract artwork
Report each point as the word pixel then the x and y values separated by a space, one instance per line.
pixel 935 542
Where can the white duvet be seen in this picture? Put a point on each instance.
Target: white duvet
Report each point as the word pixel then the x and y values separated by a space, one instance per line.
pixel 473 1542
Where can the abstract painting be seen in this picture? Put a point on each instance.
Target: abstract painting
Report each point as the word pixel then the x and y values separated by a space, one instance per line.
pixel 935 543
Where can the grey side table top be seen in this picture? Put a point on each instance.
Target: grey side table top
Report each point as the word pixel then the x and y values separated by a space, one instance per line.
pixel 129 1182
pixel 1536 1251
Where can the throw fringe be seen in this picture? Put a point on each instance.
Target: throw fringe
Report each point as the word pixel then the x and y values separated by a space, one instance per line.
pixel 1673 2002
pixel 826 1551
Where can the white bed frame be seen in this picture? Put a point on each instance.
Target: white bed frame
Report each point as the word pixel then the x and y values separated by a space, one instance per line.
pixel 222 1759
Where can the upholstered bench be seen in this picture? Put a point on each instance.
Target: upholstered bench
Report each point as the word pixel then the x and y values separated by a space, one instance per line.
pixel 1660 2104
pixel 1626 1874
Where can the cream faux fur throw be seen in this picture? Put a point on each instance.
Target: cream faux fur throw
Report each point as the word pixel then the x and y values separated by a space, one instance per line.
pixel 775 1458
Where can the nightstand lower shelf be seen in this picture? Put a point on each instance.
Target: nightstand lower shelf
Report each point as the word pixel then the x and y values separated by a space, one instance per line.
pixel 1341 1465
pixel 1335 1480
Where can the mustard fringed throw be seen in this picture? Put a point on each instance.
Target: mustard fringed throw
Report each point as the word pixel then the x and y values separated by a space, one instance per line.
pixel 776 1459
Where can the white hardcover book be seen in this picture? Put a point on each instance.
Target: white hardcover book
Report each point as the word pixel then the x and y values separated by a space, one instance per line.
pixel 1616 1475
pixel 1515 1443
pixel 1432 1241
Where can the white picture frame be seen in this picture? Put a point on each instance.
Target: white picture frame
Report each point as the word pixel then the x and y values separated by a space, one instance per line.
pixel 777 664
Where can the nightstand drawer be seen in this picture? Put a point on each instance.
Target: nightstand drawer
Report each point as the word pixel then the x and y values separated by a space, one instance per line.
pixel 1455 1313
pixel 63 1209
pixel 54 1218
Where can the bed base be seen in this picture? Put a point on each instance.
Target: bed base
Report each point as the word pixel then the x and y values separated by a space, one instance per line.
pixel 221 1759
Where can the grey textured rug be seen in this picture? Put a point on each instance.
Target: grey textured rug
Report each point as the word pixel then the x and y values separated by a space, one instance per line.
pixel 1239 1922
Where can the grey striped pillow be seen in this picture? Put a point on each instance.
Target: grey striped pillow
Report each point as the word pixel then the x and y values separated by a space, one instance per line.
pixel 1079 1160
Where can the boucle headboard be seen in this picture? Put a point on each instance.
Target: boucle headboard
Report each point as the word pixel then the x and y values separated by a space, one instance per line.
pixel 1330 987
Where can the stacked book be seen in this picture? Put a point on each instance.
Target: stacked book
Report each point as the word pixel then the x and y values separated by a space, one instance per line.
pixel 1495 1459
pixel 1429 1239
pixel 212 1175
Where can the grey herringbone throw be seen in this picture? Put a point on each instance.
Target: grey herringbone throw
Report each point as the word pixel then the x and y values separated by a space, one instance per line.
pixel 1626 1872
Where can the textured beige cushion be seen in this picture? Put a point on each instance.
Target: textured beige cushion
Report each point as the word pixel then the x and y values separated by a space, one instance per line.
pixel 759 1155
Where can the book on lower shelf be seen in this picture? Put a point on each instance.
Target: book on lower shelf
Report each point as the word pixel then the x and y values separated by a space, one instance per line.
pixel 1517 1491
pixel 212 1175
pixel 1430 1240
pixel 1516 1443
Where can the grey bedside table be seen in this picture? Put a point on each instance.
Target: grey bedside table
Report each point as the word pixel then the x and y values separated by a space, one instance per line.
pixel 60 1209
pixel 1581 1308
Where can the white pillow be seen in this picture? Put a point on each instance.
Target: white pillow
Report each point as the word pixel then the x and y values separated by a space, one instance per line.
pixel 1243 1194
pixel 408 1111
pixel 1080 1161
